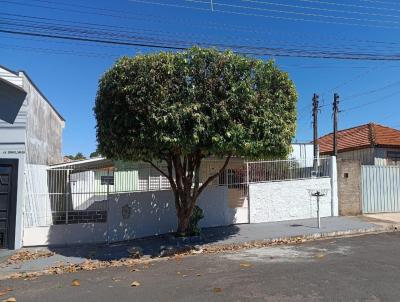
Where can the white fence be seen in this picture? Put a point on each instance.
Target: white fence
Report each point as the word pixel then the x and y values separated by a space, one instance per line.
pixel 66 206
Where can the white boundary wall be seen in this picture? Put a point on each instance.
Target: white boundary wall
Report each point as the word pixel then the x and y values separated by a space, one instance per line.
pixel 289 200
pixel 153 212
pixel 150 213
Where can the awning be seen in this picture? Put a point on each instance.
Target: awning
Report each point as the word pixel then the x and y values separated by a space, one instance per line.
pixel 11 99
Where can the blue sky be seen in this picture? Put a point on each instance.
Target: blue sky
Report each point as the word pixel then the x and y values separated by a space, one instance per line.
pixel 68 71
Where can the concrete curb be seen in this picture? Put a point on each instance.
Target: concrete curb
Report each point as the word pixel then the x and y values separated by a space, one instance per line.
pixel 196 249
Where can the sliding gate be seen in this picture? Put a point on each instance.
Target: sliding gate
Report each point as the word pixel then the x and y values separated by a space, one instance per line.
pixel 380 189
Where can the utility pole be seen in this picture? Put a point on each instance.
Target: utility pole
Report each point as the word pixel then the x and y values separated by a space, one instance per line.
pixel 335 122
pixel 315 126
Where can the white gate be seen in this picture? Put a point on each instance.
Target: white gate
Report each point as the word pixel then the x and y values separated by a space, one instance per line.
pixel 380 189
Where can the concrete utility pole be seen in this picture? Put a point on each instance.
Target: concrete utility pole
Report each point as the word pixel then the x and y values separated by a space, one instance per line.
pixel 315 126
pixel 335 122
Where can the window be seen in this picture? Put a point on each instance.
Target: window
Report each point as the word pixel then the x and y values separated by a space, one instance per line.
pixel 232 177
pixel 393 157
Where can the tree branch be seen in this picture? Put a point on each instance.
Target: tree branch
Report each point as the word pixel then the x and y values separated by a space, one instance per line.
pixel 157 168
pixel 212 177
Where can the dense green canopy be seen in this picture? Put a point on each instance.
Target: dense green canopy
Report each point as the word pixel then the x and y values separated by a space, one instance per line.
pixel 219 103
pixel 183 107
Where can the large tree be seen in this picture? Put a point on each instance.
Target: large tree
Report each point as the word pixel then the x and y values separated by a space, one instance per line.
pixel 183 107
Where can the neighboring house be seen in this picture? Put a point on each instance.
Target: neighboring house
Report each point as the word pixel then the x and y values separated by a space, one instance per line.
pixel 30 134
pixel 371 144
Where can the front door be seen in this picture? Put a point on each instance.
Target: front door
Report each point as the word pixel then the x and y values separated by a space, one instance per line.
pixel 8 191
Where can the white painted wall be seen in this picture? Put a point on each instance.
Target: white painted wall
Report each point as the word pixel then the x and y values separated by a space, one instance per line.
pixel 334 187
pixel 37 206
pixel 288 200
pixel 153 213
pixel 66 234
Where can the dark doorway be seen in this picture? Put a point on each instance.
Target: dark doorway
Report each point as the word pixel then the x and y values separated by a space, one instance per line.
pixel 8 201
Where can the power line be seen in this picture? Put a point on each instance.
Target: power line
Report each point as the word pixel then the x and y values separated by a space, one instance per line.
pixel 59 51
pixel 47 30
pixel 314 20
pixel 349 5
pixel 180 45
pixel 380 2
pixel 229 27
pixel 358 76
pixel 137 31
pixel 356 95
pixel 320 9
pixel 301 13
pixel 372 102
pixel 250 49
pixel 129 30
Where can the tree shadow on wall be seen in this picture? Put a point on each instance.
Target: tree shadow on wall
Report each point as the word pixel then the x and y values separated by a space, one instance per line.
pixel 150 208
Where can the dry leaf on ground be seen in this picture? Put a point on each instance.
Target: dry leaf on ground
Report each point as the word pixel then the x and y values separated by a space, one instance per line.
pixel 319 256
pixel 245 265
pixel 27 255
pixel 217 290
pixel 76 282
pixel 11 299
pixel 135 284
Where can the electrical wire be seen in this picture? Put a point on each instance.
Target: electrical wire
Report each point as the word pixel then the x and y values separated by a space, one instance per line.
pixel 229 27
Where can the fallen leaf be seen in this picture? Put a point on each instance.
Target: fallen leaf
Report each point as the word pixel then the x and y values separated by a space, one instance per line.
pixel 135 270
pixel 76 282
pixel 2 293
pixel 135 284
pixel 26 255
pixel 184 276
pixel 319 256
pixel 198 275
pixel 217 290
pixel 245 265
pixel 11 299
pixel 178 273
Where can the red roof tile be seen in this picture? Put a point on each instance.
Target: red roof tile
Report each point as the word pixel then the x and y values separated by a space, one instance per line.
pixel 361 137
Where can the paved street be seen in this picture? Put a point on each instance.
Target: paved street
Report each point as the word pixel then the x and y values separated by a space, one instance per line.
pixel 365 268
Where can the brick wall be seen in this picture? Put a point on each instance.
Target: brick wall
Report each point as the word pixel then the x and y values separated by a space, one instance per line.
pixel 349 187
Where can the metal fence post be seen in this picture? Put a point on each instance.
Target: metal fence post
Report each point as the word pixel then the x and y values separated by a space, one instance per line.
pixel 248 190
pixel 67 195
pixel 108 209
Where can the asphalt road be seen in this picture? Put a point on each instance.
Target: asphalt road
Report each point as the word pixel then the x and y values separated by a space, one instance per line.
pixel 365 268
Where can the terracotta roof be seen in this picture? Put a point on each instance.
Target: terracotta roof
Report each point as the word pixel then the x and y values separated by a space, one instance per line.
pixel 361 137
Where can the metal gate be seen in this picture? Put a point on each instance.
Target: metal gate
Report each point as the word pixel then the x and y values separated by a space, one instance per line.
pixel 7 203
pixel 380 189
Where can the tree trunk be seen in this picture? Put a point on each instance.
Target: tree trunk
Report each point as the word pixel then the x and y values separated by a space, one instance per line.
pixel 186 184
pixel 183 223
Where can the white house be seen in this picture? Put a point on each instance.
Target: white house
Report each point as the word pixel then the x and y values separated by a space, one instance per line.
pixel 30 134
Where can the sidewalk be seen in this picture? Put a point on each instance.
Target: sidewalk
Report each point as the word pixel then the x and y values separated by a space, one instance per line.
pixel 156 246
